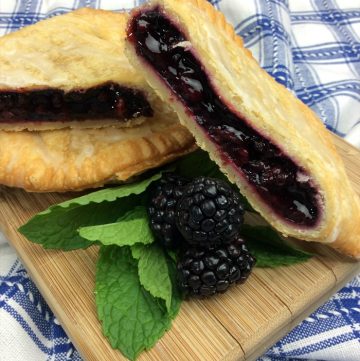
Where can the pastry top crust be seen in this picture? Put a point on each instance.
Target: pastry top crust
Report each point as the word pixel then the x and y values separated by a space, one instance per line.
pixel 76 159
pixel 80 49
pixel 273 111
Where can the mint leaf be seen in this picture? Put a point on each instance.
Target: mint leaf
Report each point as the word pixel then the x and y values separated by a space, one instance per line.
pixel 177 296
pixel 109 194
pixel 153 271
pixel 57 227
pixel 130 228
pixel 131 318
pixel 269 249
pixel 174 256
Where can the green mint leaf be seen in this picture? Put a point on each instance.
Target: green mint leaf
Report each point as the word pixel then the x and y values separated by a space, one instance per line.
pixel 153 271
pixel 174 256
pixel 132 318
pixel 177 296
pixel 110 194
pixel 199 164
pixel 269 249
pixel 132 227
pixel 57 227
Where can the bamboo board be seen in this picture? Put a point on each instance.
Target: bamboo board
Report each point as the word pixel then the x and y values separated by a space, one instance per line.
pixel 239 325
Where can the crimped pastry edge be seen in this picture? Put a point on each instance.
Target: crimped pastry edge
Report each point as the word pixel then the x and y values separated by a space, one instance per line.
pixel 340 227
pixel 57 160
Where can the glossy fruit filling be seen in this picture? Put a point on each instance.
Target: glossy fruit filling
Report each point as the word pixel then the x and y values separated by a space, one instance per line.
pixel 105 101
pixel 285 187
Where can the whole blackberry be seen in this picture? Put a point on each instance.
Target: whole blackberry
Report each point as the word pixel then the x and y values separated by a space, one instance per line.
pixel 209 213
pixel 165 195
pixel 205 272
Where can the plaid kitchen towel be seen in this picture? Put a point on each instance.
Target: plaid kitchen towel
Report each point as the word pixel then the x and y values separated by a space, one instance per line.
pixel 310 46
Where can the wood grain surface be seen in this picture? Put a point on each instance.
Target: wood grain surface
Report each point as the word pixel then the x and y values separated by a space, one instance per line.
pixel 238 325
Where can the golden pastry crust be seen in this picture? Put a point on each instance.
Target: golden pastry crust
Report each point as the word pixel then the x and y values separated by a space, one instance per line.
pixel 76 159
pixel 273 111
pixel 83 124
pixel 78 50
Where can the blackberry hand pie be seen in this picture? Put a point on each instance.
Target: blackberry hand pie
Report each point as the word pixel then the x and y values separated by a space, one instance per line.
pixel 266 140
pixel 71 71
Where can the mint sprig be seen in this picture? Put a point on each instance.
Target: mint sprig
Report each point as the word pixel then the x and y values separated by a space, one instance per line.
pixel 132 318
pixel 57 227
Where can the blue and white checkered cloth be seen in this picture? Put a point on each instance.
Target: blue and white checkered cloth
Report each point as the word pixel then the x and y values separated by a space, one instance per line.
pixel 312 47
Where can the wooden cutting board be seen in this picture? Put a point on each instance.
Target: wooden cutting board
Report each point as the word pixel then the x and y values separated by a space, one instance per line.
pixel 239 325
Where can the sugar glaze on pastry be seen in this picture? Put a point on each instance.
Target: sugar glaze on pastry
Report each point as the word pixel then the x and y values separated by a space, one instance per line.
pixel 267 142
pixel 71 70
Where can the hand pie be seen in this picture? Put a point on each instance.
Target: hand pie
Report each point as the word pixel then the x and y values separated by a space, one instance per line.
pixel 75 159
pixel 266 140
pixel 71 70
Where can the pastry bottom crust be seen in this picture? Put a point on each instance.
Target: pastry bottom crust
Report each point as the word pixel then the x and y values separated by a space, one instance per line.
pixel 77 159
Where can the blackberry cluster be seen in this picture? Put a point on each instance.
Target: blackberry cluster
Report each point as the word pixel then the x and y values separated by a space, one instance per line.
pixel 205 272
pixel 165 196
pixel 209 212
pixel 203 217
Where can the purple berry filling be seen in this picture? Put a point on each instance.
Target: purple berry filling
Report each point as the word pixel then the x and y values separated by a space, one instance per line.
pixel 105 101
pixel 280 182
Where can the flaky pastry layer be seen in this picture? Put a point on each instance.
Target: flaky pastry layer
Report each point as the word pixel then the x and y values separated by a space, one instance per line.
pixel 81 124
pixel 271 109
pixel 76 159
pixel 78 50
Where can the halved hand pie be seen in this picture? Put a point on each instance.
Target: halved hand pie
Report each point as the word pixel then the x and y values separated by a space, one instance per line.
pixel 267 141
pixel 71 70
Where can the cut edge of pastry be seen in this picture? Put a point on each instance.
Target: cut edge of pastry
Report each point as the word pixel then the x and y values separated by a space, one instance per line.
pixel 78 124
pixel 86 54
pixel 340 223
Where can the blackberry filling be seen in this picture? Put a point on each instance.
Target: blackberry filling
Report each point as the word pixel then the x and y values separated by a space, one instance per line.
pixel 105 101
pixel 279 181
